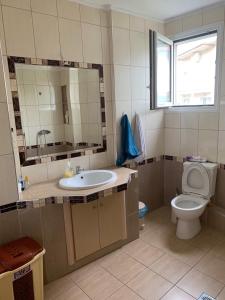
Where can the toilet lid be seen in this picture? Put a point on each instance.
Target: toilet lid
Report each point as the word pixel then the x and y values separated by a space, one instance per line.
pixel 195 180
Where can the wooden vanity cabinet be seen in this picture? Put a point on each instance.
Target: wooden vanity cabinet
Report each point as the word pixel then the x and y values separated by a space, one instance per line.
pixel 85 228
pixel 98 224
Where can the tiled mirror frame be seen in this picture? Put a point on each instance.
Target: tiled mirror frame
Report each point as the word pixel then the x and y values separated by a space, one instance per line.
pixel 12 60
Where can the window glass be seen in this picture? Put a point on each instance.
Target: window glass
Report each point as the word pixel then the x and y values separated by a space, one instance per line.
pixel 163 73
pixel 195 70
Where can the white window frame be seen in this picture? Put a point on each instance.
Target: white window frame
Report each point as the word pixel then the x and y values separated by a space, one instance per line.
pixel 219 27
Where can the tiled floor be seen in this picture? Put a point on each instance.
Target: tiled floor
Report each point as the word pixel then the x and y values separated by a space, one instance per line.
pixel 156 266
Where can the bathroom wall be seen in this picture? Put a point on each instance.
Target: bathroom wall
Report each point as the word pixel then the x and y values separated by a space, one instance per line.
pixel 60 30
pixel 69 31
pixel 130 39
pixel 197 132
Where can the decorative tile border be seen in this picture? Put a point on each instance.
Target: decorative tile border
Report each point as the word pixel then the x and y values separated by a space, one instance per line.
pixel 12 60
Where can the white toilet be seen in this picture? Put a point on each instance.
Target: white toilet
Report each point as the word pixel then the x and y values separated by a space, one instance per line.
pixel 198 186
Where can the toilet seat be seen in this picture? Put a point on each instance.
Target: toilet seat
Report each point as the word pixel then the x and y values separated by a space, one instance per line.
pixel 188 202
pixel 192 183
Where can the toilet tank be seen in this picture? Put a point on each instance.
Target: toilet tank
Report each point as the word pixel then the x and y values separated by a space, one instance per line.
pixel 211 169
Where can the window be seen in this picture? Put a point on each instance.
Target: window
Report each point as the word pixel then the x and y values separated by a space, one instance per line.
pixel 183 72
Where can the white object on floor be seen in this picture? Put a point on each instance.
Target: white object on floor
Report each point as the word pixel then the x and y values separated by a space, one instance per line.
pixel 88 180
pixel 198 186
pixel 139 137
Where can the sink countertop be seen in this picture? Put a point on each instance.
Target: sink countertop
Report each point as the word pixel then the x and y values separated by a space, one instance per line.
pixel 51 189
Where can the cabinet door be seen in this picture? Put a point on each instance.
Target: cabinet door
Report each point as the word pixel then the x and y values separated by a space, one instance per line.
pixel 112 219
pixel 85 228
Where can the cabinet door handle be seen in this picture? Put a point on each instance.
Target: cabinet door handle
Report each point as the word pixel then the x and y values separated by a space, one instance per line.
pixel 94 207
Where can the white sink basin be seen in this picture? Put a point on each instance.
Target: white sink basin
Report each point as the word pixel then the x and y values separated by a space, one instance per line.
pixel 88 180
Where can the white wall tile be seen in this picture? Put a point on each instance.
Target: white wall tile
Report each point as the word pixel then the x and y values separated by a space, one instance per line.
pixel 48 7
pixel 122 83
pixel 209 120
pixel 2 34
pixel 68 9
pixel 138 83
pixel 189 142
pixel 92 47
pixel 172 120
pixel 155 119
pixel 121 46
pixel 213 14
pixel 8 181
pixel 137 24
pixel 154 142
pixel 98 160
pixel 222 87
pixel 120 20
pixel 207 144
pixel 18 32
pixel 107 82
pixel 193 20
pixel 83 162
pixel 150 24
pixel 55 169
pixel 137 48
pixel 3 74
pixel 35 173
pixel 106 45
pixel 172 141
pixel 221 147
pixel 222 117
pixel 139 107
pixel 24 4
pixel 46 36
pixel 105 18
pixel 89 15
pixel 71 40
pixel 173 27
pixel 5 132
pixel 189 120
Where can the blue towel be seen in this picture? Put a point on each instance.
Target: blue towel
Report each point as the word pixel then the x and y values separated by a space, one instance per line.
pixel 129 148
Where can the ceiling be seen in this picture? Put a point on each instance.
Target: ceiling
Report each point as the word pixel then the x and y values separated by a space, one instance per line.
pixel 157 9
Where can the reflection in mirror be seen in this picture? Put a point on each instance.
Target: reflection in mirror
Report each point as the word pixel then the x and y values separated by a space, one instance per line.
pixel 60 109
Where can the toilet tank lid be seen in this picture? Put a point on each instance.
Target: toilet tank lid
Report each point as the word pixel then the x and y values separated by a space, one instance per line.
pixel 192 187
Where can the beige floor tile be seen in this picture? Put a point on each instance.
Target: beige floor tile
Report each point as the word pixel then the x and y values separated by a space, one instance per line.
pixel 122 266
pixel 124 293
pixel 149 285
pixel 188 254
pixel 221 295
pixel 195 283
pixel 157 239
pixel 177 294
pixel 170 268
pixel 219 251
pixel 100 285
pixel 213 267
pixel 75 293
pixel 141 251
pixel 84 272
pixel 207 239
pixel 57 287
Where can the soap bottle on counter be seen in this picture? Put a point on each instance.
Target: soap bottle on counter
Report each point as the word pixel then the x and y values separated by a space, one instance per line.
pixel 69 172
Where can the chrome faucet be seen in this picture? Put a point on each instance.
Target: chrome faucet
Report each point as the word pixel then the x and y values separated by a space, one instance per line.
pixel 78 169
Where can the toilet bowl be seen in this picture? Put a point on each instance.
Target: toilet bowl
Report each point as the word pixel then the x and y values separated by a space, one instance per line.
pixel 188 209
pixel 198 186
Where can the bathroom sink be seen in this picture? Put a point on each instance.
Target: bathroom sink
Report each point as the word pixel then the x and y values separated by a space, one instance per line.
pixel 88 180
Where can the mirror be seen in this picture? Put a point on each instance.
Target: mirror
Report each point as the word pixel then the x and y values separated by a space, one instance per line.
pixel 60 109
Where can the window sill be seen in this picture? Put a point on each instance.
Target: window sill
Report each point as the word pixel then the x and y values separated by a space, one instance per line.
pixel 199 108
